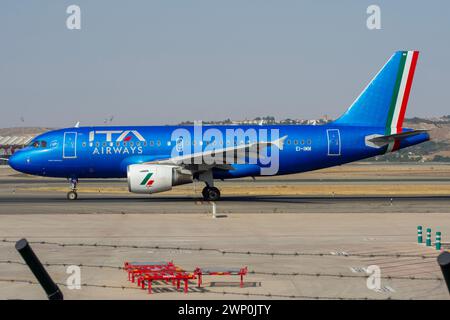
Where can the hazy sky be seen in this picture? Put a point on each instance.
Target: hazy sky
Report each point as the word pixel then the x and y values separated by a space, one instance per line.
pixel 159 62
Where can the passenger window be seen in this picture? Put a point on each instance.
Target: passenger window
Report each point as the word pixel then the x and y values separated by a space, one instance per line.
pixel 309 141
pixel 152 143
pixel 296 142
pixel 84 144
pixel 288 142
pixel 158 143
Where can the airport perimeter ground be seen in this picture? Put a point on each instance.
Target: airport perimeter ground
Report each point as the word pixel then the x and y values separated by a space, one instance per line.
pixel 304 236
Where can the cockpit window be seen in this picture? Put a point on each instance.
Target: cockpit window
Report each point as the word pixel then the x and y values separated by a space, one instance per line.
pixel 37 144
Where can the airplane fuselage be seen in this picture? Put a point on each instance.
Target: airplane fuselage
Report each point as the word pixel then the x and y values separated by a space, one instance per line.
pixel 106 152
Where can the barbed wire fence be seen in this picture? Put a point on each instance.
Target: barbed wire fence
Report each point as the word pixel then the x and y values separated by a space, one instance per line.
pixel 247 294
pixel 231 252
pixel 255 272
pixel 221 251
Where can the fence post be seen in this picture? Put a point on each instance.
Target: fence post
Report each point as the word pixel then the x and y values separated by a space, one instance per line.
pixel 50 287
pixel 444 262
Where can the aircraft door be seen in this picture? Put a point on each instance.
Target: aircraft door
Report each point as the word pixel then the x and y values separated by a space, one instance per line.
pixel 334 142
pixel 70 145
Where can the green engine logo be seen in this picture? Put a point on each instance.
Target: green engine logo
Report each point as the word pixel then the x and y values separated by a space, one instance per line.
pixel 147 181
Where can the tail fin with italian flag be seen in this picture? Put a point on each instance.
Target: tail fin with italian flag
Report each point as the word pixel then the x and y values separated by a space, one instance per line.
pixel 383 102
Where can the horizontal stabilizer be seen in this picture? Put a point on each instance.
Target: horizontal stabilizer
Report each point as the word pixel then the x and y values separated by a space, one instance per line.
pixel 380 141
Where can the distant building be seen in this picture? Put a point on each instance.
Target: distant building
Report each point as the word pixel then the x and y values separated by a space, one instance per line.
pixel 10 144
pixel 268 120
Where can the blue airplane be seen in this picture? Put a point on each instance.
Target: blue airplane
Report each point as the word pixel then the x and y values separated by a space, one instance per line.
pixel 156 158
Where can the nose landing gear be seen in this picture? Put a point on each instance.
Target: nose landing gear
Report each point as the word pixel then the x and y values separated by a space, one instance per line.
pixel 73 195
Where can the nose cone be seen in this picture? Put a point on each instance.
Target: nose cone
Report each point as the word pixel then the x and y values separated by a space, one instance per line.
pixel 17 161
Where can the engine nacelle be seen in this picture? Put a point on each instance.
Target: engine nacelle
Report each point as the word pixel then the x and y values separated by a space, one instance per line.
pixel 153 178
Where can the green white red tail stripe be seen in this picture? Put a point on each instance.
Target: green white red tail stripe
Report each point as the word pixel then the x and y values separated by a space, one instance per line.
pixel 400 97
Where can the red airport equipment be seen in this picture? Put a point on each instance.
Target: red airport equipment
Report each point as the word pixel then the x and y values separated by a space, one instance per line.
pixel 147 272
pixel 175 278
pixel 135 269
pixel 200 272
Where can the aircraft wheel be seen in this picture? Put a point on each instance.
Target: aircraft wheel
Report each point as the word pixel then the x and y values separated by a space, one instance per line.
pixel 205 193
pixel 72 195
pixel 211 194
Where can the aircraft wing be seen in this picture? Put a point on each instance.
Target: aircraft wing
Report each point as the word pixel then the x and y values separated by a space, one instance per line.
pixel 225 157
pixel 384 140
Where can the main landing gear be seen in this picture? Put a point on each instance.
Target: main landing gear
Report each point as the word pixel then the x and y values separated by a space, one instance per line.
pixel 73 195
pixel 210 193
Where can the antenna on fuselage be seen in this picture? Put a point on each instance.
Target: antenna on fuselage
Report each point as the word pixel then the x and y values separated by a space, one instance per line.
pixel 77 125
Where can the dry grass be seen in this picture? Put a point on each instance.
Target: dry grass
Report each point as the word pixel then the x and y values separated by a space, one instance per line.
pixel 301 190
pixel 358 171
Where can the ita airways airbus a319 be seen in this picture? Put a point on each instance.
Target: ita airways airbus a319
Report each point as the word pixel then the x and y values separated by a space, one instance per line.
pixel 156 158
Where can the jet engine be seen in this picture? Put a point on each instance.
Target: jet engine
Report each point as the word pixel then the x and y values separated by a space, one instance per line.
pixel 153 178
